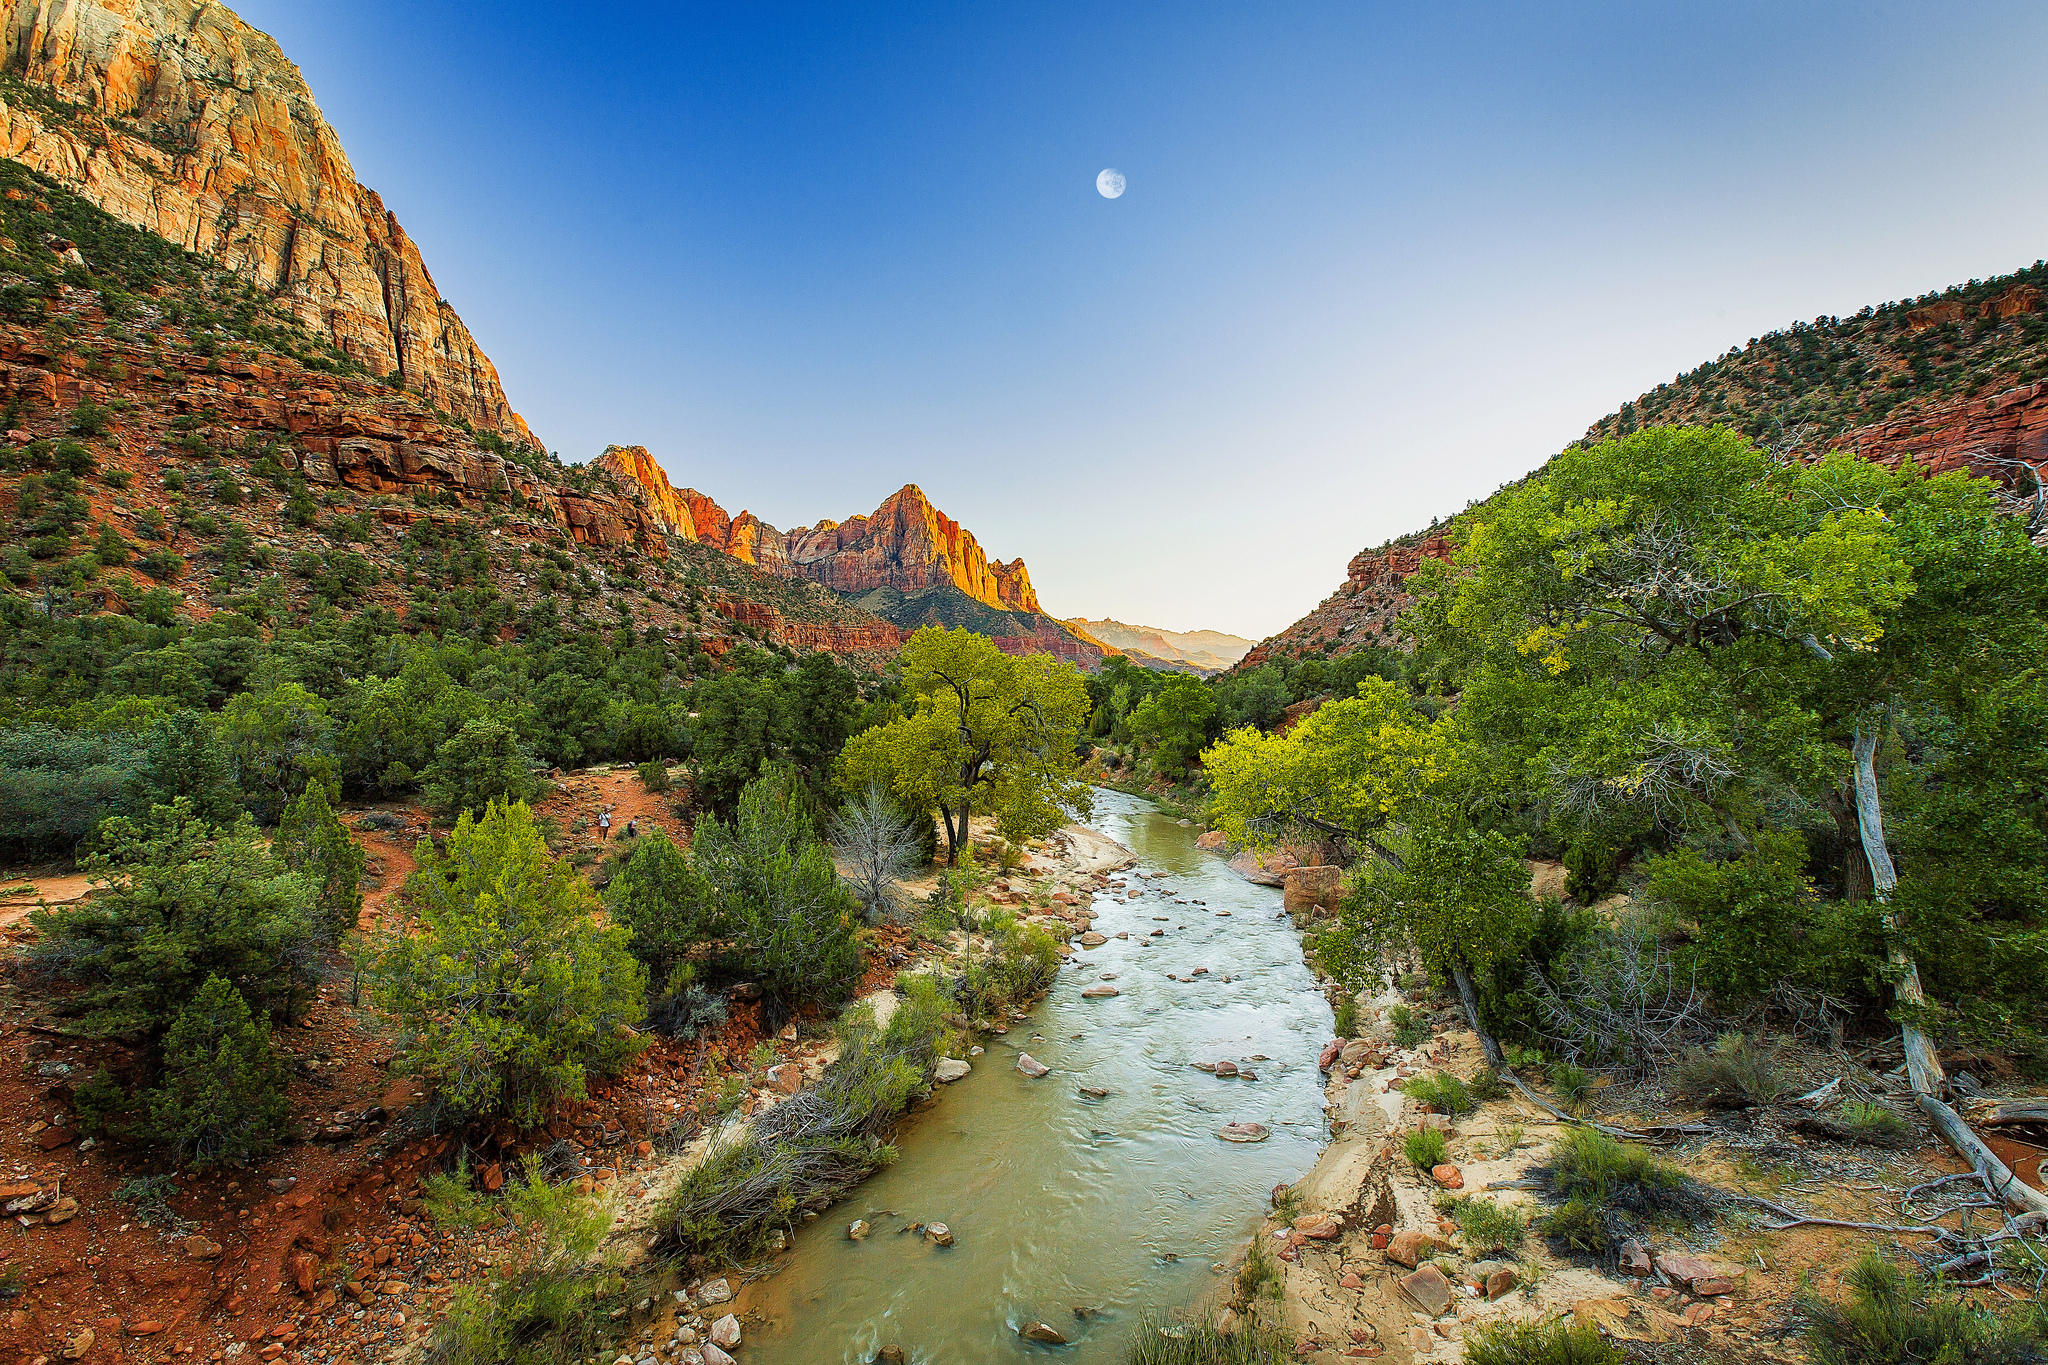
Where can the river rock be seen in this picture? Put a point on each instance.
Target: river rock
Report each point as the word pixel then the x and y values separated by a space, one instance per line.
pixel 1430 1288
pixel 1094 1092
pixel 938 1234
pixel 1411 1247
pixel 1091 939
pixel 1448 1176
pixel 1031 1066
pixel 1223 1068
pixel 950 1069
pixel 1100 992
pixel 1328 1056
pixel 713 1355
pixel 714 1291
pixel 891 1355
pixel 1322 1227
pixel 726 1332
pixel 1244 1132
pixel 858 1229
pixel 1042 1332
pixel 1502 1281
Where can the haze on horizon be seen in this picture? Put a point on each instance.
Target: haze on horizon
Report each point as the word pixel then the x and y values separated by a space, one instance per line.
pixel 1373 261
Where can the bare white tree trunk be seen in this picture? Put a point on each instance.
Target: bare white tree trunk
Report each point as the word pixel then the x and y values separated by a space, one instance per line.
pixel 1923 1066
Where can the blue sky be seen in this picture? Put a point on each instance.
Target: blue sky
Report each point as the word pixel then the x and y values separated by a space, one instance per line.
pixel 1374 259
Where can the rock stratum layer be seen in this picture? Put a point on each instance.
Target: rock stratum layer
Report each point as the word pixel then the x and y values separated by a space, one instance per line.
pixel 907 561
pixel 177 117
pixel 1952 381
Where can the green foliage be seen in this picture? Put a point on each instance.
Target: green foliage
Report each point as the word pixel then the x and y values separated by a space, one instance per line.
pixel 793 923
pixel 1346 1024
pixel 221 1097
pixel 1410 1028
pixel 807 1151
pixel 986 733
pixel 1441 1092
pixel 1021 965
pixel 1873 1123
pixel 1753 920
pixel 1458 898
pixel 183 901
pixel 1573 1084
pixel 1606 1188
pixel 1738 1072
pixel 510 991
pixel 1259 1277
pixel 654 778
pixel 668 908
pixel 760 714
pixel 1159 1342
pixel 312 841
pixel 278 742
pixel 452 1202
pixel 481 763
pixel 1177 720
pixel 1489 1228
pixel 553 1304
pixel 1891 1318
pixel 56 786
pixel 1560 1341
pixel 1425 1148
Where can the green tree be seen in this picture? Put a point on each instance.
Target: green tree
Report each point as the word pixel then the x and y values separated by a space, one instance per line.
pixel 510 991
pixel 180 901
pixel 794 922
pixel 988 733
pixel 312 841
pixel 277 742
pixel 220 1099
pixel 1176 720
pixel 480 763
pixel 666 906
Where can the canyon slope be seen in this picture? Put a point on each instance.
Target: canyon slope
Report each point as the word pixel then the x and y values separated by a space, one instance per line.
pixel 906 561
pixel 1952 380
pixel 1200 651
pixel 176 117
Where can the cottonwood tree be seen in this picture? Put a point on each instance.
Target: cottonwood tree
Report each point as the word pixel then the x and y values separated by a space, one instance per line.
pixel 986 733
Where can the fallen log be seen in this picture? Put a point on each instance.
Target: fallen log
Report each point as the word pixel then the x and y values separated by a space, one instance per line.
pixel 1998 1177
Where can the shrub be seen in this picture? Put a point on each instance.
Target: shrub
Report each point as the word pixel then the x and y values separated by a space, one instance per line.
pixel 794 922
pixel 653 775
pixel 683 1008
pixel 1410 1028
pixel 451 1201
pixel 90 419
pixel 1425 1148
pixel 1573 1084
pixel 1875 1124
pixel 1488 1085
pixel 1608 1188
pixel 1159 1342
pixel 510 991
pixel 554 1304
pixel 751 1188
pixel 880 847
pixel 279 741
pixel 1440 1091
pixel 1021 965
pixel 1258 1278
pixel 1736 1073
pixel 1557 1342
pixel 312 841
pixel 1891 1318
pixel 183 901
pixel 481 763
pixel 1487 1227
pixel 668 909
pixel 1346 1024
pixel 221 1098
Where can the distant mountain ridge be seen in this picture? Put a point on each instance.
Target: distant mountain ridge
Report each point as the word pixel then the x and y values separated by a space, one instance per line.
pixel 1209 651
pixel 906 561
pixel 1955 380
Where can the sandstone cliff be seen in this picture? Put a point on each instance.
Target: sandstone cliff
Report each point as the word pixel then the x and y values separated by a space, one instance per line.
pixel 898 556
pixel 177 117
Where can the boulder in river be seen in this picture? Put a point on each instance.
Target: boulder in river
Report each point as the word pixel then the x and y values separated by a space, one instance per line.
pixel 713 1355
pixel 1100 992
pixel 1244 1132
pixel 725 1333
pixel 858 1229
pixel 938 1234
pixel 1224 1068
pixel 1094 1092
pixel 1031 1066
pixel 1042 1332
pixel 950 1069
pixel 1091 939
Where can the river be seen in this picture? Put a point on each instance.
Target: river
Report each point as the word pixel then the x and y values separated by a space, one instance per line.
pixel 1060 1202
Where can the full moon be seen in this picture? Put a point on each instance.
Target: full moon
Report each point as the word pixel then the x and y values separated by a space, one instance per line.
pixel 1110 183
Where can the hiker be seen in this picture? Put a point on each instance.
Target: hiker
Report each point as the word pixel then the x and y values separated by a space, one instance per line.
pixel 604 825
pixel 633 828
